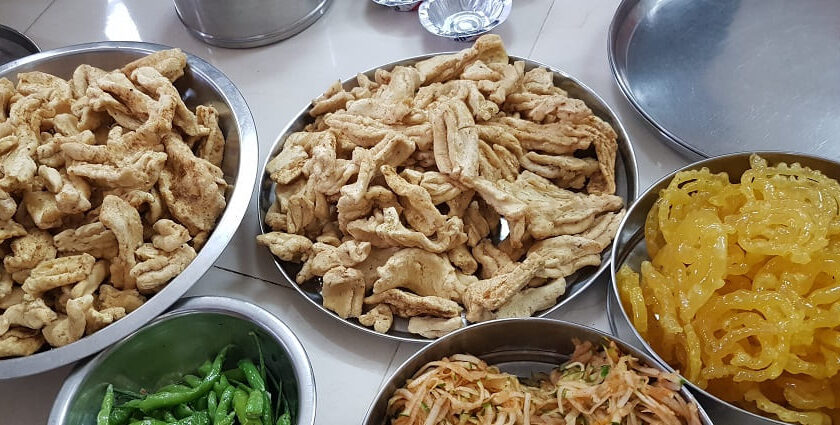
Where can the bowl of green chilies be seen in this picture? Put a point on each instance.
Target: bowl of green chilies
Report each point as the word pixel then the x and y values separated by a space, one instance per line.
pixel 208 361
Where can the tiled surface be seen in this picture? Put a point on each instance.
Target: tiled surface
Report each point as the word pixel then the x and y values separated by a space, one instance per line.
pixel 277 81
pixel 20 14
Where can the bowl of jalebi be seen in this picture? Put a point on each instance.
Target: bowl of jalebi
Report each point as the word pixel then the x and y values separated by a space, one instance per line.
pixel 533 371
pixel 727 272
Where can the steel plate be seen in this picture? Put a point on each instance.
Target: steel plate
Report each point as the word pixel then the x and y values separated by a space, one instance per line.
pixel 722 76
pixel 626 188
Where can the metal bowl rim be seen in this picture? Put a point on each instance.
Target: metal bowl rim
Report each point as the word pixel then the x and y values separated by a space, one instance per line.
pixel 614 253
pixel 229 221
pixel 228 306
pixel 630 165
pixel 534 321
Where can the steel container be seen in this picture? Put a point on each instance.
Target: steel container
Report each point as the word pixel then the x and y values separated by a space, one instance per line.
pixel 176 343
pixel 14 45
pixel 626 187
pixel 521 347
pixel 248 23
pixel 629 248
pixel 201 84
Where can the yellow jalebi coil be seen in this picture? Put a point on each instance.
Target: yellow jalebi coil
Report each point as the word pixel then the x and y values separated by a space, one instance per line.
pixel 742 292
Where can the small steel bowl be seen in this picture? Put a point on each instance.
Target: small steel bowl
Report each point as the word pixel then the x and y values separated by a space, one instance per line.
pixel 14 45
pixel 629 248
pixel 521 347
pixel 626 187
pixel 400 5
pixel 460 20
pixel 248 23
pixel 176 343
pixel 201 84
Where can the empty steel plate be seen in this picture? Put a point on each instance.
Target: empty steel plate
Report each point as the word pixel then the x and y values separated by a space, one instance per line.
pixel 721 76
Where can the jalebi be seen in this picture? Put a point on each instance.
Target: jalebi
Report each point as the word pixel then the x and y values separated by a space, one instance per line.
pixel 742 292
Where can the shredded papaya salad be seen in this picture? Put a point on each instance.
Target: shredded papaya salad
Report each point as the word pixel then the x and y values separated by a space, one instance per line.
pixel 597 386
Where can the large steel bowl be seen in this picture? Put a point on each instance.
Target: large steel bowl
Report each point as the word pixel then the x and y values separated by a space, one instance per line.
pixel 629 248
pixel 176 343
pixel 202 83
pixel 518 346
pixel 625 175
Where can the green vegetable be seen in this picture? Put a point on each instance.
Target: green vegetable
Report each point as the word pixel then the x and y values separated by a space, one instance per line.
pixel 200 404
pixel 227 420
pixel 183 411
pixel 254 407
pixel 251 374
pixel 605 370
pixel 266 410
pixel 104 415
pixel 224 404
pixel 240 401
pixel 192 380
pixel 198 418
pixel 168 399
pixel 149 421
pixel 169 417
pixel 172 388
pixel 120 416
pixel 284 419
pixel 211 404
pixel 205 368
pixel 424 406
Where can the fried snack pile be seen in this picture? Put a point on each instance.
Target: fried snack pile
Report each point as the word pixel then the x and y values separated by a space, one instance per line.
pixel 742 292
pixel 394 194
pixel 108 186
pixel 593 387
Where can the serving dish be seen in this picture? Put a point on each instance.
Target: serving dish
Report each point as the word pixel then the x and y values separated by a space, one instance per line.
pixel 14 45
pixel 629 248
pixel 202 84
pixel 192 331
pixel 462 21
pixel 734 68
pixel 626 182
pixel 254 23
pixel 521 347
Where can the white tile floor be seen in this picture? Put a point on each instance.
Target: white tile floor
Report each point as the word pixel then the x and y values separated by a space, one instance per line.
pixel 277 81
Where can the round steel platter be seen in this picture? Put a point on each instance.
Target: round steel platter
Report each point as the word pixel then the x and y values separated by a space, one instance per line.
pixel 721 76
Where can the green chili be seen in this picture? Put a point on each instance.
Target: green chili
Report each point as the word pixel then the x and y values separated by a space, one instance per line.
pixel 104 415
pixel 198 418
pixel 240 401
pixel 200 404
pixel 252 375
pixel 173 388
pixel 211 404
pixel 169 417
pixel 205 368
pixel 183 411
pixel 192 380
pixel 168 399
pixel 149 421
pixel 224 404
pixel 227 420
pixel 119 416
pixel 266 412
pixel 254 407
